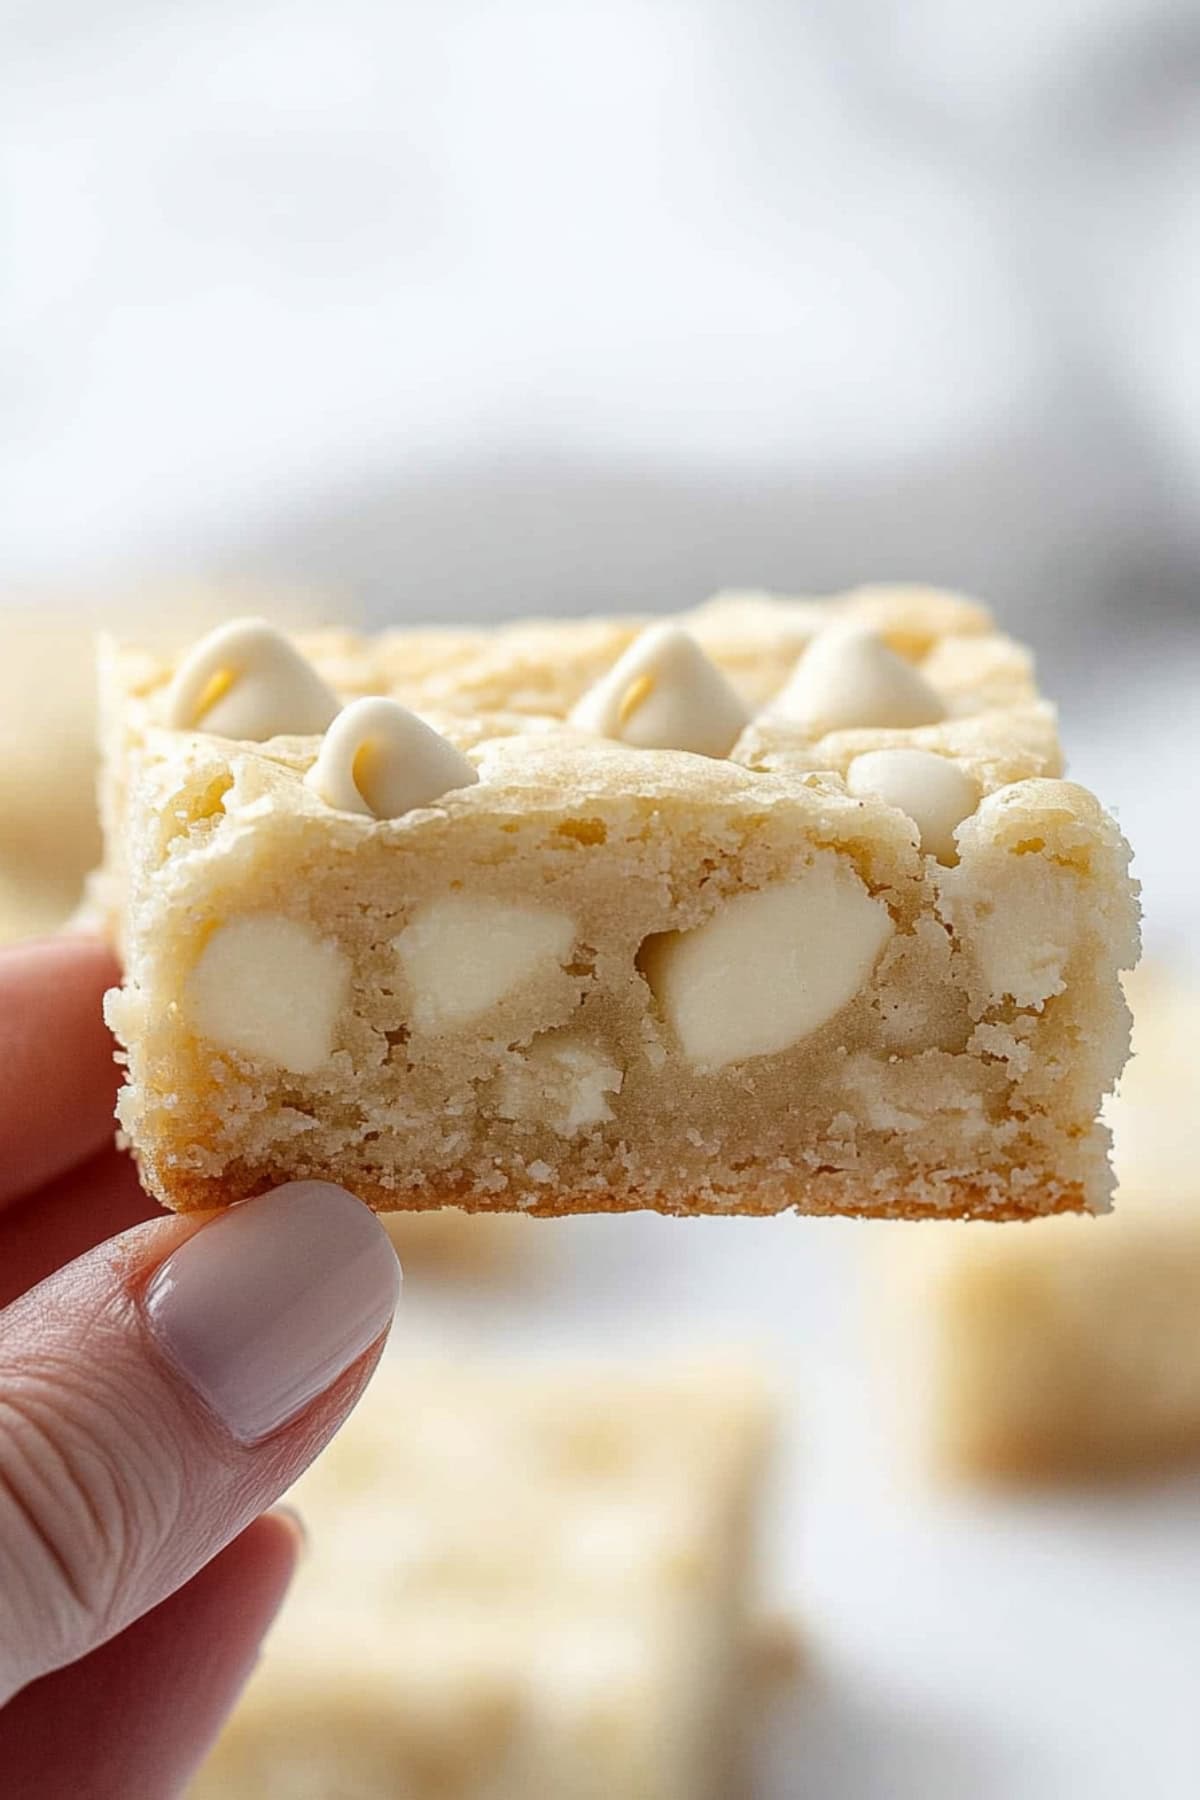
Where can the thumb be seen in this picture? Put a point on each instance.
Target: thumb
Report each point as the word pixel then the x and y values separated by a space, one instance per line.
pixel 161 1392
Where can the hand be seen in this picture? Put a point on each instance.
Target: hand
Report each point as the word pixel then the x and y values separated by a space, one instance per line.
pixel 158 1391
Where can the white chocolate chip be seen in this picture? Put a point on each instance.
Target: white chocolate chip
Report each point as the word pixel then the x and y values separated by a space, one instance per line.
pixel 269 987
pixel 935 793
pixel 379 759
pixel 771 966
pixel 249 681
pixel 663 693
pixel 466 953
pixel 1022 943
pixel 561 1079
pixel 246 680
pixel 849 678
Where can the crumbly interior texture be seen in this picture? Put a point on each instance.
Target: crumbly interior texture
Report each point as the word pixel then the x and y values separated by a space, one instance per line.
pixel 520 1584
pixel 494 1003
pixel 1072 1349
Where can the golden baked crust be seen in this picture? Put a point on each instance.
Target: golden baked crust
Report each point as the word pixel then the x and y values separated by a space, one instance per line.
pixel 828 1195
pixel 959 1074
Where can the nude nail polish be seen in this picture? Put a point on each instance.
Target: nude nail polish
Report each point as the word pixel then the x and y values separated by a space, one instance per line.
pixel 266 1306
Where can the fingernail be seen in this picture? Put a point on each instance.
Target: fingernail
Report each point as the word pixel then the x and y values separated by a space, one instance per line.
pixel 263 1309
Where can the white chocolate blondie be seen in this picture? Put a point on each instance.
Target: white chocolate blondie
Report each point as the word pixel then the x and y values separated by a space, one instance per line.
pixel 519 1584
pixel 1072 1349
pixel 775 904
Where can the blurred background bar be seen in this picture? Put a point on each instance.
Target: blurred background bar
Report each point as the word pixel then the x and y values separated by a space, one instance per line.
pixel 385 311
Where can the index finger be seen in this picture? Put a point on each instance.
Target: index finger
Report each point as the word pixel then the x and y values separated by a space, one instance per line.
pixel 59 1081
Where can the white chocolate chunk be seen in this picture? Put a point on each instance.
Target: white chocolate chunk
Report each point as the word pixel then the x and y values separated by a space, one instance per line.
pixel 380 759
pixel 849 678
pixel 664 694
pixel 561 1079
pixel 269 987
pixel 1019 914
pixel 935 793
pixel 246 680
pixel 770 966
pixel 1022 942
pixel 466 953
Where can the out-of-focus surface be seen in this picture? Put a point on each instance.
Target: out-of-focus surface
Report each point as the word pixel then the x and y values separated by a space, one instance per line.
pixel 470 1246
pixel 479 310
pixel 954 1638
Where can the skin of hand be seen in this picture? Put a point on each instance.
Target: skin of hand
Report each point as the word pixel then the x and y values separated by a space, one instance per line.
pixel 162 1381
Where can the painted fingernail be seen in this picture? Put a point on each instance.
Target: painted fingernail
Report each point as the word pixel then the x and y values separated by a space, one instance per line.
pixel 263 1309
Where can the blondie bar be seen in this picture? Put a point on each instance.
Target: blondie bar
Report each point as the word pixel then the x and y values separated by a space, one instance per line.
pixel 520 1584
pixel 775 904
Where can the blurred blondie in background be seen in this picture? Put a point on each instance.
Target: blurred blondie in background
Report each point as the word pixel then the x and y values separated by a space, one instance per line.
pixel 386 312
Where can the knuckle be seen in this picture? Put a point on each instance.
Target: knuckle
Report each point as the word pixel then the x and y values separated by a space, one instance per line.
pixel 82 1500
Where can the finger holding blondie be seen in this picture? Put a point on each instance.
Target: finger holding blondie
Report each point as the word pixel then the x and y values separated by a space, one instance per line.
pixel 161 1390
pixel 139 1715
